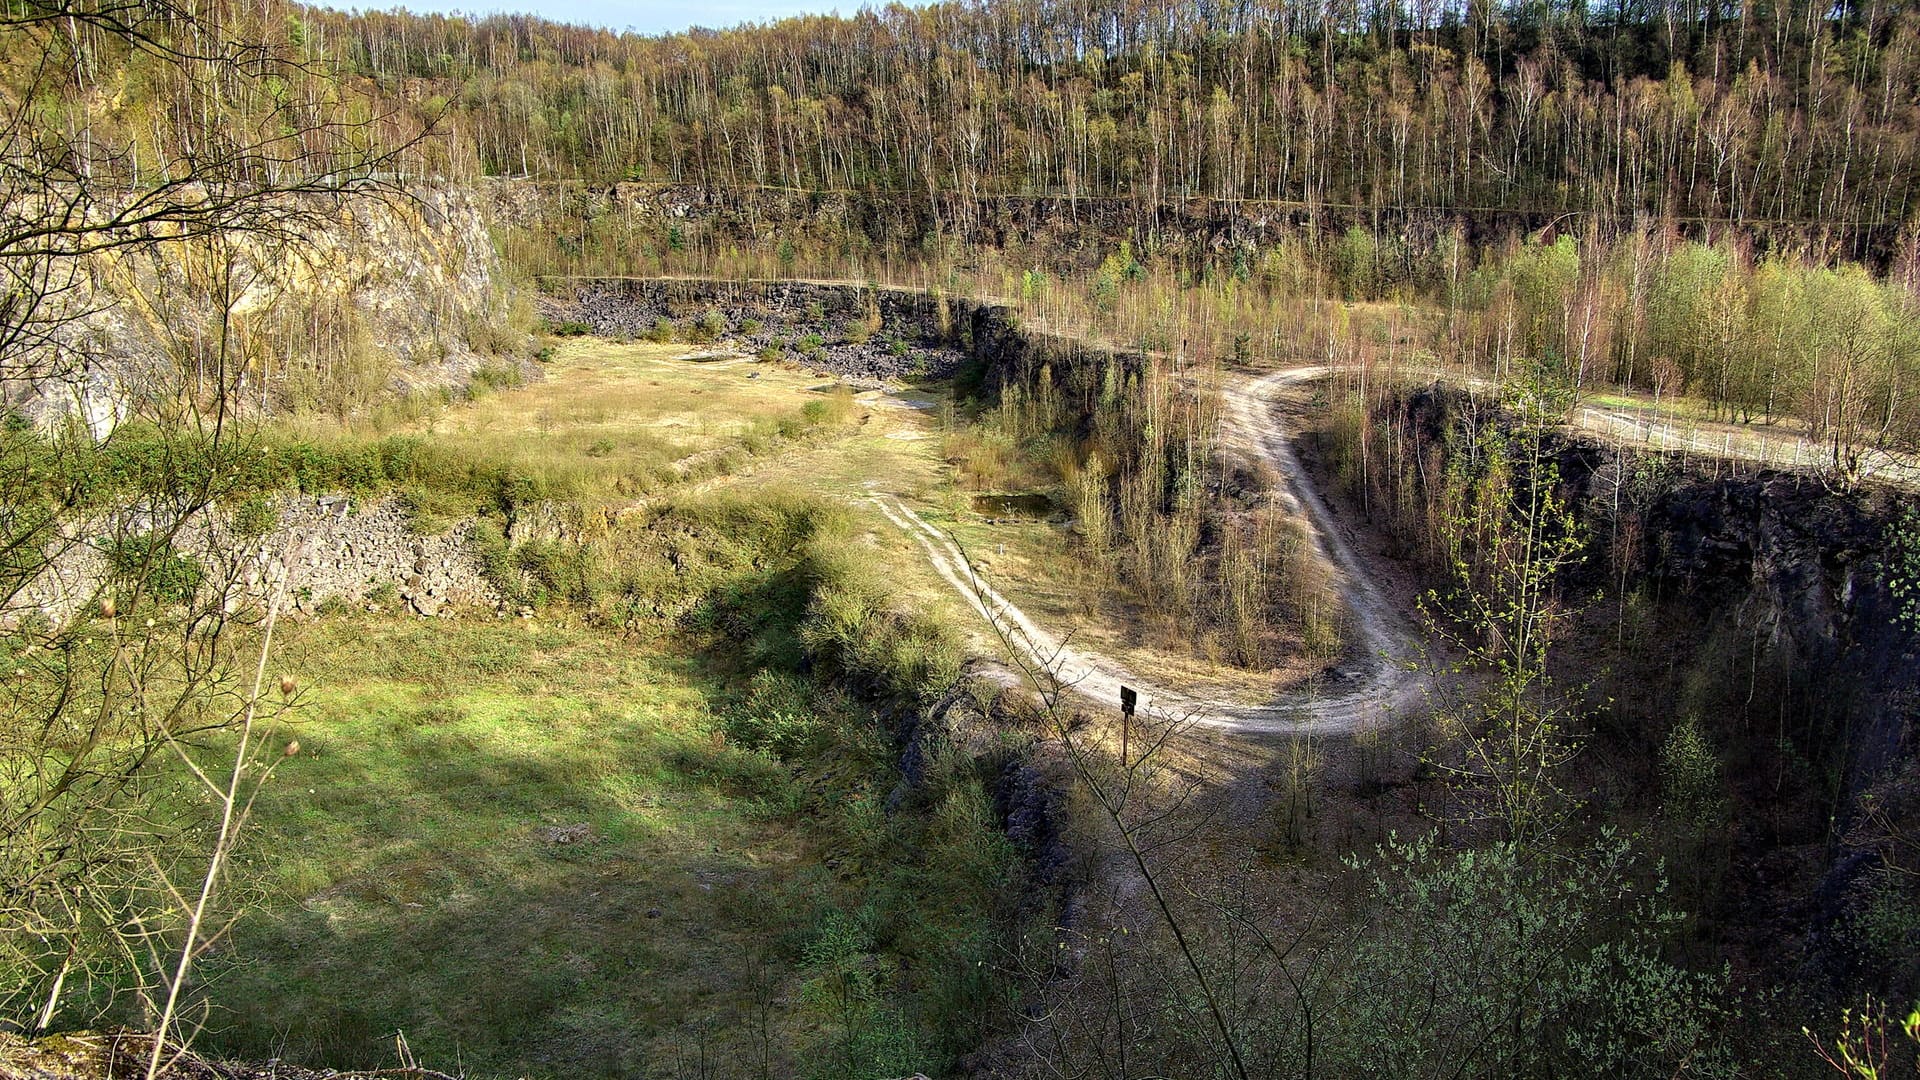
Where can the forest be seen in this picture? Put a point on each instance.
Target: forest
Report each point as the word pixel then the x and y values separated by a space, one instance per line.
pixel 1765 117
pixel 994 538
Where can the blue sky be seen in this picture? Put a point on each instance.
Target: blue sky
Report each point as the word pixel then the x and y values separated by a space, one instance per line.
pixel 644 16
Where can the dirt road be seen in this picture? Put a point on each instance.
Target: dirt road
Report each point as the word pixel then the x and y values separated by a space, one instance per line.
pixel 1370 692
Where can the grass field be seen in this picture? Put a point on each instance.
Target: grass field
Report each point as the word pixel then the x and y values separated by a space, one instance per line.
pixel 520 844
pixel 556 846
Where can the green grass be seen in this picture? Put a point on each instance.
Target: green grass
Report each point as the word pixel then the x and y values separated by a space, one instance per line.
pixel 532 847
pixel 608 423
pixel 544 847
pixel 411 875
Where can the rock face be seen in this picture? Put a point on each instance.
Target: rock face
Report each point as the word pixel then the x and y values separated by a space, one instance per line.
pixel 1058 231
pixel 330 549
pixel 1766 607
pixel 945 336
pixel 324 550
pixel 394 294
pixel 1818 559
pixel 867 336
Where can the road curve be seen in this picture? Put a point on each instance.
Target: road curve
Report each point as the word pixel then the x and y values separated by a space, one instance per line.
pixel 1373 691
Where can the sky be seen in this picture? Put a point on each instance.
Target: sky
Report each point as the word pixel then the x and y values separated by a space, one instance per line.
pixel 643 16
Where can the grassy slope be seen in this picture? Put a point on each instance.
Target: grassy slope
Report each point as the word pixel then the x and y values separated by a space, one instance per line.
pixel 419 867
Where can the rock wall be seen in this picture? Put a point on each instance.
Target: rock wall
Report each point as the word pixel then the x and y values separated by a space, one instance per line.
pixel 1064 232
pixel 324 550
pixel 1761 605
pixel 947 335
pixel 862 334
pixel 331 549
pixel 393 294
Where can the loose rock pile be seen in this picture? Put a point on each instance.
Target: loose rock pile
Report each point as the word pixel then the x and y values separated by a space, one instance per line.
pixel 325 550
pixel 335 550
pixel 866 336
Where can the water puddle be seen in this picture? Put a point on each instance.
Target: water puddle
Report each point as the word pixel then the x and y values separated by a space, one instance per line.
pixel 1026 504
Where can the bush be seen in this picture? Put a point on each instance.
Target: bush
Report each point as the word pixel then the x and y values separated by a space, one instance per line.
pixel 835 408
pixel 1903 566
pixel 254 517
pixel 708 327
pixel 854 630
pixel 555 570
pixel 489 545
pixel 778 715
pixel 494 377
pixel 1546 967
pixel 149 560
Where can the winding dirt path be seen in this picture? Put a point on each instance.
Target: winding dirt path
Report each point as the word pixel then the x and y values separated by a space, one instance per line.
pixel 1369 695
pixel 1383 683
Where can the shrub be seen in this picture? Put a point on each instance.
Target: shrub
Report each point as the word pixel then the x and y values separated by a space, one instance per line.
pixel 254 517
pixel 835 408
pixel 853 629
pixel 555 570
pixel 494 376
pixel 490 549
pixel 778 715
pixel 1903 566
pixel 150 560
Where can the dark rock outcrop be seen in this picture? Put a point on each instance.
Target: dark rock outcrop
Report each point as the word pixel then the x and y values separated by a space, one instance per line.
pixel 1766 608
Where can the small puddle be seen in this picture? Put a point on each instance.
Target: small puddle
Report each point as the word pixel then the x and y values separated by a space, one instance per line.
pixel 1029 504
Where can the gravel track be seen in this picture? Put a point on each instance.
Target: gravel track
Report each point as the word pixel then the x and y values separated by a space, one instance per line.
pixel 1370 694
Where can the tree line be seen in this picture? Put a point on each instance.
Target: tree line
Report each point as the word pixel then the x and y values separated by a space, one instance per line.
pixel 1788 113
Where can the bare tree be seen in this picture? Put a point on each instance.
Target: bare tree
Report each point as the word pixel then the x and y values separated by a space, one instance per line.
pixel 117 637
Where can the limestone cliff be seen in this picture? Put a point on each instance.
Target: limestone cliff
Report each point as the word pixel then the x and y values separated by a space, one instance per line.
pixel 373 296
